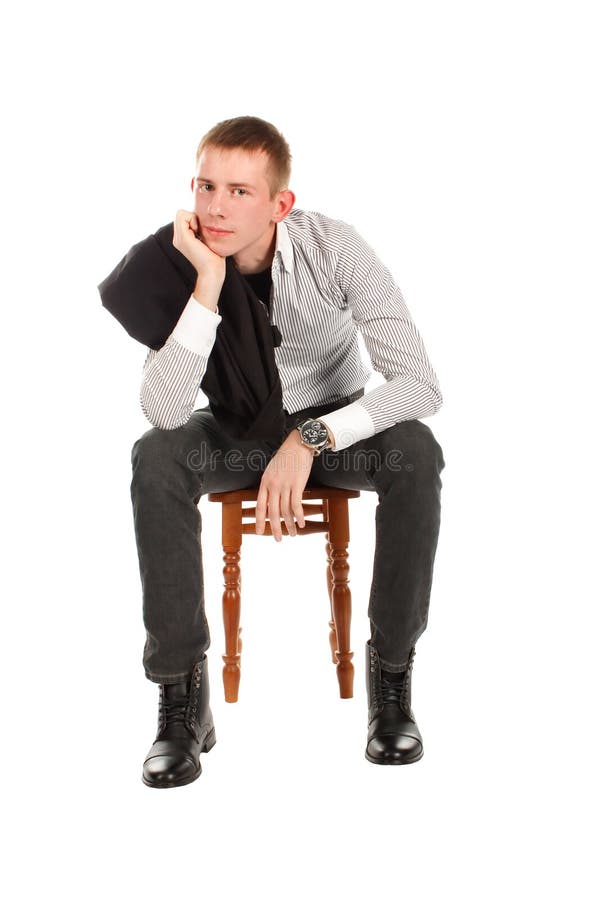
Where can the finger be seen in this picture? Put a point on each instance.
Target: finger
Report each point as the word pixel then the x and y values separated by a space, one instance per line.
pixel 184 221
pixel 182 216
pixel 286 512
pixel 261 509
pixel 177 226
pixel 297 508
pixel 274 516
pixel 194 224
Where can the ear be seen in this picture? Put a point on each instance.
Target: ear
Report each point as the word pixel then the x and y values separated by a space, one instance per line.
pixel 192 183
pixel 284 202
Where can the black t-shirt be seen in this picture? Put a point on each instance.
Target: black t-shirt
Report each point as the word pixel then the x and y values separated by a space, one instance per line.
pixel 260 282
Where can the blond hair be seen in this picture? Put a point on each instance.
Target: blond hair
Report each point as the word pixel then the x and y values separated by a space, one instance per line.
pixel 253 134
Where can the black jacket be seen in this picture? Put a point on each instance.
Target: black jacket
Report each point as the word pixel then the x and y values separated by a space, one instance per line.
pixel 147 292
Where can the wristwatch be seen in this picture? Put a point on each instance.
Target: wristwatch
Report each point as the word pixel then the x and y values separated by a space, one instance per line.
pixel 314 434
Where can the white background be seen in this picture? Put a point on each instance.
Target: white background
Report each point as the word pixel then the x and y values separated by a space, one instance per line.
pixel 461 140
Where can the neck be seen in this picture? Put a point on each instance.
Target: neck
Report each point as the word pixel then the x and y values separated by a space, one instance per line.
pixel 259 256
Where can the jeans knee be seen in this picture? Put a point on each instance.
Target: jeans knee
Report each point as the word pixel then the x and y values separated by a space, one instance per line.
pixel 429 451
pixel 153 453
pixel 411 448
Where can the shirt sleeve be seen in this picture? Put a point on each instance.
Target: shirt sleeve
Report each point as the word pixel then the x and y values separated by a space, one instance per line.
pixel 172 375
pixel 394 345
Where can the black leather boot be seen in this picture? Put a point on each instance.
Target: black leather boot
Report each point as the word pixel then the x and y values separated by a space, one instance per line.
pixel 185 730
pixel 394 737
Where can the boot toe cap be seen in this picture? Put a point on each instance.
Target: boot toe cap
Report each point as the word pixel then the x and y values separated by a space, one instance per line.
pixel 170 770
pixel 394 749
pixel 402 744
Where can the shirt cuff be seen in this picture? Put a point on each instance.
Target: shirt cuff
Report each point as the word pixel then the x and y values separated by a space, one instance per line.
pixel 197 327
pixel 349 424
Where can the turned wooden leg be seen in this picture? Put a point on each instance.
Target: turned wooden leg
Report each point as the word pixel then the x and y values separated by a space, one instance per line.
pixel 232 542
pixel 333 641
pixel 341 602
pixel 332 635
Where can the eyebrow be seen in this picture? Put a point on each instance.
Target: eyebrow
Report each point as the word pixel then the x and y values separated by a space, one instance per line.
pixel 231 183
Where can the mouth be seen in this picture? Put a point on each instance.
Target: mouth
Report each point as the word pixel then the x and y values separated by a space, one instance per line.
pixel 217 232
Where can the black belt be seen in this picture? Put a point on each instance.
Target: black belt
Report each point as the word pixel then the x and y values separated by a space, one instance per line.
pixel 316 411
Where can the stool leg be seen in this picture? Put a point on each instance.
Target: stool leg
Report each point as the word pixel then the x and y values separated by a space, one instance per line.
pixel 333 644
pixel 341 600
pixel 232 542
pixel 333 641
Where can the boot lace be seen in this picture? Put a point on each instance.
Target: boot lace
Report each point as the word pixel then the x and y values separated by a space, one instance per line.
pixel 172 711
pixel 392 688
pixel 394 691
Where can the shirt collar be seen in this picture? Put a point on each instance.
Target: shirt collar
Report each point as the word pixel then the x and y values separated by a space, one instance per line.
pixel 284 246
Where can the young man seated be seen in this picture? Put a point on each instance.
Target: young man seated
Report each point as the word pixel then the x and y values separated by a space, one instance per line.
pixel 322 285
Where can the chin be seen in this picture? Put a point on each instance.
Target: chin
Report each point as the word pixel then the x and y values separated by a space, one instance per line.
pixel 220 247
pixel 217 247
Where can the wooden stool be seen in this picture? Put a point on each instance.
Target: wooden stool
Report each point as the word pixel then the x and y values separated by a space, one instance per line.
pixel 334 510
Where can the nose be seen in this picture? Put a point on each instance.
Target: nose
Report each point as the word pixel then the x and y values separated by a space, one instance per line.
pixel 217 206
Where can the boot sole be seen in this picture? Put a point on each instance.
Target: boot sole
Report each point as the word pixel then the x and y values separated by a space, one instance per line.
pixel 209 743
pixel 394 762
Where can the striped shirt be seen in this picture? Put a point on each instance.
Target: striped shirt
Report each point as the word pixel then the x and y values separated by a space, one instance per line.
pixel 328 285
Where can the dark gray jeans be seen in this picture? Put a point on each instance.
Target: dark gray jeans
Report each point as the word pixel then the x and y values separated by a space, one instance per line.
pixel 173 468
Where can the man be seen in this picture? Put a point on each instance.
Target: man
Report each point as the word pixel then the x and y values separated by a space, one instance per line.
pixel 322 284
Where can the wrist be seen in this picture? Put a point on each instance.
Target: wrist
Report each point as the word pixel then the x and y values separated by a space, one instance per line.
pixel 294 436
pixel 207 291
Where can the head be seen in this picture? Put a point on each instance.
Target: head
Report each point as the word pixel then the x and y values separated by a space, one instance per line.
pixel 241 189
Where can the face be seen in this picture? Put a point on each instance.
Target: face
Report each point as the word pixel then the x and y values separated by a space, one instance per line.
pixel 232 200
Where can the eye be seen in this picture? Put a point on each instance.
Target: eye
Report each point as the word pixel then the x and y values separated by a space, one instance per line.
pixel 201 185
pixel 241 190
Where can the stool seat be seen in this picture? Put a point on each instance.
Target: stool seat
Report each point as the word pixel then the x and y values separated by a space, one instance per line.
pixel 331 504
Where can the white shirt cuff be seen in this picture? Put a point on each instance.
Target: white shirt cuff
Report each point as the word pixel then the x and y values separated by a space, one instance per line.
pixel 349 424
pixel 197 327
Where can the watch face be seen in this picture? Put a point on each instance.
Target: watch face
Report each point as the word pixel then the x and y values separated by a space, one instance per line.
pixel 314 433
